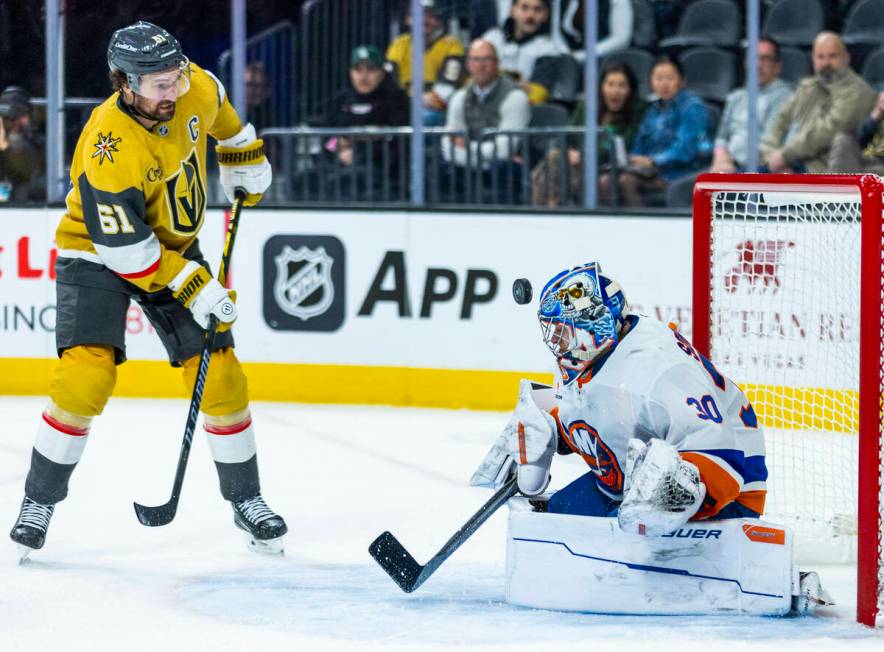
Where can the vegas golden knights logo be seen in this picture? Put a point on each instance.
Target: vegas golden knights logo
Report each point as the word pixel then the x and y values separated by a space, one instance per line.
pixel 186 193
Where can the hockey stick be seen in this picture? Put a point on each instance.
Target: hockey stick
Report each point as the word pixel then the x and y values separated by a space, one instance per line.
pixel 163 514
pixel 404 569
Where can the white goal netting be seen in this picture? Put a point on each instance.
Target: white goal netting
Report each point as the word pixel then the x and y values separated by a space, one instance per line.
pixel 785 305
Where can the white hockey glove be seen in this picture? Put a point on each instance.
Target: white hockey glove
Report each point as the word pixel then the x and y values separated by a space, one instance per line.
pixel 200 293
pixel 661 491
pixel 243 165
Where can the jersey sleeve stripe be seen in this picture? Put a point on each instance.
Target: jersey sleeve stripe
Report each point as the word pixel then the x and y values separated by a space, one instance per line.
pixel 84 255
pixel 145 272
pixel 753 500
pixel 721 485
pixel 749 468
pixel 134 260
pixel 222 93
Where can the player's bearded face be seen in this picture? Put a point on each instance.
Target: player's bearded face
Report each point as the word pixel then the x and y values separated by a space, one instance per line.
pixel 162 110
pixel 157 93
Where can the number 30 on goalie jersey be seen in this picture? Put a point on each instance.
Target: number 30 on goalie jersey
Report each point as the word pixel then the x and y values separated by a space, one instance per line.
pixel 717 430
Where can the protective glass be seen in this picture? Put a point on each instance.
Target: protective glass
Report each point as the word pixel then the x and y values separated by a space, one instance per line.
pixel 166 85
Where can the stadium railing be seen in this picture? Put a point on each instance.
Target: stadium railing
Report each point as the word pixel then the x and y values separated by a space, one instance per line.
pixel 371 165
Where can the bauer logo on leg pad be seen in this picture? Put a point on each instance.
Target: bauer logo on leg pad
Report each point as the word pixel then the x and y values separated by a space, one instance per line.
pixel 304 286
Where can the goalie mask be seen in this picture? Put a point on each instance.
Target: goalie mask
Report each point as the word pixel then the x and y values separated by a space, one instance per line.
pixel 581 314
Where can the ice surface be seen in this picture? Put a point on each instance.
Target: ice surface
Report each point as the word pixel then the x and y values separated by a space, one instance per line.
pixel 340 475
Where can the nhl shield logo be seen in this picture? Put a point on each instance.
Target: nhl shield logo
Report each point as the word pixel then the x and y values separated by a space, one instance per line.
pixel 303 286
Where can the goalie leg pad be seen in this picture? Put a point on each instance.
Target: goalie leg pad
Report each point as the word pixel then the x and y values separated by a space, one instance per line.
pixel 578 563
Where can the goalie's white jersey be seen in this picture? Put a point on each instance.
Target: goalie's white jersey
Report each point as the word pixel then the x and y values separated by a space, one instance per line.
pixel 655 384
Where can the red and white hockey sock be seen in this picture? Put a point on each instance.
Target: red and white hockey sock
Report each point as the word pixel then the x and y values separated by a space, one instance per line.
pixel 232 442
pixel 58 446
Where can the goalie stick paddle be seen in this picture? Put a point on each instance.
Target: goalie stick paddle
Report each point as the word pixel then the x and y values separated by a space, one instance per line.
pixel 403 568
pixel 163 514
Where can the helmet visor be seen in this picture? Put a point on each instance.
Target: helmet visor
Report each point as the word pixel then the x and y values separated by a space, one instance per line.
pixel 164 85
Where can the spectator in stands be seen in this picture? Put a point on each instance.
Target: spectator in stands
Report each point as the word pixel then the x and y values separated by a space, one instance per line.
pixel 490 100
pixel 620 112
pixel 524 38
pixel 373 99
pixel 671 141
pixel 443 62
pixel 862 152
pixel 259 96
pixel 730 154
pixel 21 159
pixel 615 22
pixel 833 100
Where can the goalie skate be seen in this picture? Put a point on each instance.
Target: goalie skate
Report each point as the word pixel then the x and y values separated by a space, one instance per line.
pixel 811 595
pixel 29 531
pixel 263 527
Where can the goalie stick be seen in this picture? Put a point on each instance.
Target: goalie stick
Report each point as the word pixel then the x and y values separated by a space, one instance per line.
pixel 403 568
pixel 163 514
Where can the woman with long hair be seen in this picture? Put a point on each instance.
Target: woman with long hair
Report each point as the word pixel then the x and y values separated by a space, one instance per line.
pixel 620 111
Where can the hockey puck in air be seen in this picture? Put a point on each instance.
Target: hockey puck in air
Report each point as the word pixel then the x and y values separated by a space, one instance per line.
pixel 522 292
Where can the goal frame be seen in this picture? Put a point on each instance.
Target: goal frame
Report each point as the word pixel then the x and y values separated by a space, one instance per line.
pixel 869 189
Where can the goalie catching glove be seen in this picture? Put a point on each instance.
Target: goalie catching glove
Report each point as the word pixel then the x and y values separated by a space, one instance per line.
pixel 243 165
pixel 661 491
pixel 196 289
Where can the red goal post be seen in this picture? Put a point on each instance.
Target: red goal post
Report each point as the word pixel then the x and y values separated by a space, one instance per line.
pixel 754 293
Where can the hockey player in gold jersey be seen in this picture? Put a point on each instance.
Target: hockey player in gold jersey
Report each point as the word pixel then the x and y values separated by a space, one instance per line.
pixel 134 211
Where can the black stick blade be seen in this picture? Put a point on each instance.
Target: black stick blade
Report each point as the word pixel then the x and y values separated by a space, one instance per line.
pixel 396 561
pixel 155 516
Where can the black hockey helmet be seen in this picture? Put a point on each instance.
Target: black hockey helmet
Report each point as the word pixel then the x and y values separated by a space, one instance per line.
pixel 143 48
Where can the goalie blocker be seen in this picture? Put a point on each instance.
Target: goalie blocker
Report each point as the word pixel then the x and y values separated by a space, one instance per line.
pixel 580 563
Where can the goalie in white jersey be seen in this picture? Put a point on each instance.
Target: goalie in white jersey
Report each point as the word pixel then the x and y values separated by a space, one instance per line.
pixel 668 440
pixel 666 436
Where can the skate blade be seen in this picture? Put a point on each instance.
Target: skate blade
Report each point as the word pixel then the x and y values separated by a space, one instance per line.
pixel 23 552
pixel 273 547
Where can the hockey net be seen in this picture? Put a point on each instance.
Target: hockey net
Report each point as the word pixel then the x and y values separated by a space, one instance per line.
pixel 788 294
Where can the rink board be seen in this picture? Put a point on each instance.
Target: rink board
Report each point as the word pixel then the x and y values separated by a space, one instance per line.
pixel 587 564
pixel 406 308
pixel 398 308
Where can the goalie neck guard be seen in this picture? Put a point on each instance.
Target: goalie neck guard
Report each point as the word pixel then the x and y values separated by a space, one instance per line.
pixel 581 315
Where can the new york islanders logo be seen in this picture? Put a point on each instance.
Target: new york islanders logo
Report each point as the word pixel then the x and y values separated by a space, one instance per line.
pixel 105 147
pixel 584 439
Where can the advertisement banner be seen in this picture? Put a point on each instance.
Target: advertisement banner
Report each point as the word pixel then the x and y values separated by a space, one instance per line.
pixel 389 307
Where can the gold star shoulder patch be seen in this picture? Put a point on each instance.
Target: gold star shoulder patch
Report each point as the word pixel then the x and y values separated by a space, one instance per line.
pixel 105 147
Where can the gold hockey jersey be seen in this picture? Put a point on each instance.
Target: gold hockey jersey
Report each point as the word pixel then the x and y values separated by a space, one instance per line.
pixel 138 195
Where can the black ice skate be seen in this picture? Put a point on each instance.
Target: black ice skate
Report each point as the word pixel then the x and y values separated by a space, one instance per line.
pixel 264 527
pixel 29 531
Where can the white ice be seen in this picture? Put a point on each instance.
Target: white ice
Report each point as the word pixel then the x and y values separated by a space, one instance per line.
pixel 340 476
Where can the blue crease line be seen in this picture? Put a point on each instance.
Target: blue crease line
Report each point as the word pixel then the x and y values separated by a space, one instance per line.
pixel 649 569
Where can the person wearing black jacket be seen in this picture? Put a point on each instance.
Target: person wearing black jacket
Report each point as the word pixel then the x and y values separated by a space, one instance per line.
pixel 367 167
